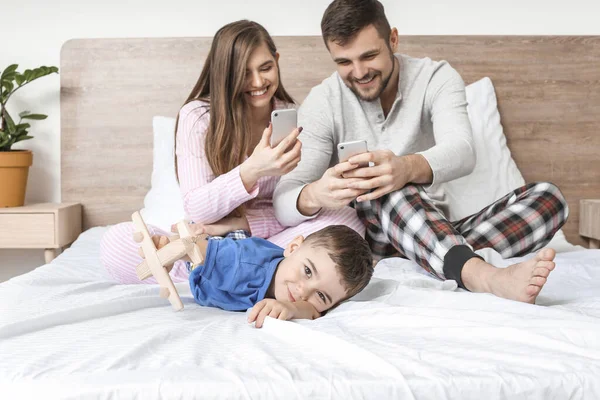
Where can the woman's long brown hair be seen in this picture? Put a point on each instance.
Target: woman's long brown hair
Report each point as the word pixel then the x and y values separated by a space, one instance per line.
pixel 221 84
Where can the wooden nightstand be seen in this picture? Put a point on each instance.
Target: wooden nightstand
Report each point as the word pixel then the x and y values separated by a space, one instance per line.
pixel 589 221
pixel 48 226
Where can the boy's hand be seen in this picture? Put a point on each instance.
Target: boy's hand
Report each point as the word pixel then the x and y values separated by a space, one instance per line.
pixel 282 310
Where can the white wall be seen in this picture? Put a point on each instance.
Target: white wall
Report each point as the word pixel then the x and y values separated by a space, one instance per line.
pixel 33 31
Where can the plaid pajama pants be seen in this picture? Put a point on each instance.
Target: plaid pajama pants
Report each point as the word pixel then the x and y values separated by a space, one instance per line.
pixel 406 224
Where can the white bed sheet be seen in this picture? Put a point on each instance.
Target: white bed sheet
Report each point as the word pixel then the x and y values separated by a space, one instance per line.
pixel 67 331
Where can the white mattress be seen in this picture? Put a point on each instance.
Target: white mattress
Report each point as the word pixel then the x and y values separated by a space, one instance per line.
pixel 67 331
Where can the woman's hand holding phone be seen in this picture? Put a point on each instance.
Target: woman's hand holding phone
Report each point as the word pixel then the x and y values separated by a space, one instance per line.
pixel 271 161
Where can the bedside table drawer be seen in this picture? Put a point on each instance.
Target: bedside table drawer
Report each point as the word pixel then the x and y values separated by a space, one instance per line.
pixel 27 230
pixel 589 221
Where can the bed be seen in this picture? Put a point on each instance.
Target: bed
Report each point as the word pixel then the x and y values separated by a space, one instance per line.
pixel 68 331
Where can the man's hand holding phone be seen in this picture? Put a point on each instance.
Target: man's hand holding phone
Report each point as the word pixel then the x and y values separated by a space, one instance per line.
pixel 389 173
pixel 332 190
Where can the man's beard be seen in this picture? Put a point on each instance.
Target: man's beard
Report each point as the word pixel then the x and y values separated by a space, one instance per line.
pixel 378 90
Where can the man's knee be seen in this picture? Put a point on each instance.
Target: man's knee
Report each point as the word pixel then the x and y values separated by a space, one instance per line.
pixel 551 190
pixel 556 192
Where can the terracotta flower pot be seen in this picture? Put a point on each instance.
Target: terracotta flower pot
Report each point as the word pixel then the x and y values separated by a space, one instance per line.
pixel 14 169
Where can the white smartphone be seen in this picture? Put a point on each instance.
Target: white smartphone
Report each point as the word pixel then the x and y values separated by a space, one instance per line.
pixel 349 149
pixel 284 122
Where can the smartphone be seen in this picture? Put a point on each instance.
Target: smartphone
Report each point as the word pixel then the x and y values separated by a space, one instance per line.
pixel 349 149
pixel 284 122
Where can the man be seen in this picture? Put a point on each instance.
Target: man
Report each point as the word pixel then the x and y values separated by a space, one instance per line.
pixel 413 115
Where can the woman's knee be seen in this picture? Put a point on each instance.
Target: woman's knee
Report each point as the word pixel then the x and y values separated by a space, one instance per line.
pixel 117 234
pixel 116 241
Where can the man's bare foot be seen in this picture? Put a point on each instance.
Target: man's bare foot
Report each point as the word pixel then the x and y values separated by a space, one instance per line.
pixel 520 282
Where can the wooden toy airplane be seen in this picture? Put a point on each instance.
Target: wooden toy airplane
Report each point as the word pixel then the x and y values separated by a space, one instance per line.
pixel 155 260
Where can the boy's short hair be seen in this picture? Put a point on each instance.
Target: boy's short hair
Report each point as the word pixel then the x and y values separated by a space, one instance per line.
pixel 343 19
pixel 350 253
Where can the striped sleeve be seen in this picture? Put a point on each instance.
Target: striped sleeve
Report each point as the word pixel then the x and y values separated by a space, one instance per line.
pixel 262 222
pixel 206 198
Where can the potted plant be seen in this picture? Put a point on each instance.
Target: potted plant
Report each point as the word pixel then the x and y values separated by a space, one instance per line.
pixel 14 164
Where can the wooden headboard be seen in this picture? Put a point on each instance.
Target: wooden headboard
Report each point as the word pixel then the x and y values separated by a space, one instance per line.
pixel 548 90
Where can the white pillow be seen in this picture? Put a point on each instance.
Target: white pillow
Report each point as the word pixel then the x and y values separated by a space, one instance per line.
pixel 495 173
pixel 163 205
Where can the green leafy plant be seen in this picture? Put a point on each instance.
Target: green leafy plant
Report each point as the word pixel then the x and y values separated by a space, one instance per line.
pixel 11 80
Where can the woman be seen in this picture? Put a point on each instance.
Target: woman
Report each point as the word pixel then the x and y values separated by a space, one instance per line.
pixel 226 168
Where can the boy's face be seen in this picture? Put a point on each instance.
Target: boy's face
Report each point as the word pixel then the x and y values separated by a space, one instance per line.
pixel 366 63
pixel 308 273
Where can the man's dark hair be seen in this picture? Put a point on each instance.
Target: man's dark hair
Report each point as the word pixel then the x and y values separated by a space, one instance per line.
pixel 343 19
pixel 350 253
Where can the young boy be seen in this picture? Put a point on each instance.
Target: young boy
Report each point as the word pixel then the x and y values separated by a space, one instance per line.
pixel 301 281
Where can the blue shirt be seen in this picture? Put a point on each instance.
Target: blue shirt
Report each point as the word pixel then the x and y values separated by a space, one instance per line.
pixel 236 273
